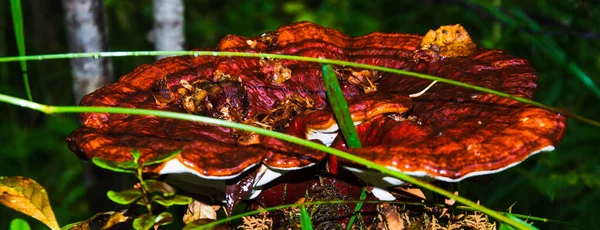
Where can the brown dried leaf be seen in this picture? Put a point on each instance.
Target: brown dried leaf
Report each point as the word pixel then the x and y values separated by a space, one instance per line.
pixel 198 210
pixel 102 221
pixel 114 219
pixel 390 216
pixel 27 196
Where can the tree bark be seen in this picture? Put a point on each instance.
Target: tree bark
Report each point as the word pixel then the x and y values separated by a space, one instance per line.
pixel 167 33
pixel 86 32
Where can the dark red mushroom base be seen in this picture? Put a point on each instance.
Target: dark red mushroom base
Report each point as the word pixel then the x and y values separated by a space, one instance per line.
pixel 405 123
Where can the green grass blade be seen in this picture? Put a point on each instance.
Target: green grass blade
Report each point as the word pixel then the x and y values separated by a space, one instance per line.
pixel 300 58
pixel 305 219
pixel 363 196
pixel 340 107
pixel 17 17
pixel 292 139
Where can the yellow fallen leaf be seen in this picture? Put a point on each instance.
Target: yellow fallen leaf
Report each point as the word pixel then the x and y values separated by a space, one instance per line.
pixel 27 196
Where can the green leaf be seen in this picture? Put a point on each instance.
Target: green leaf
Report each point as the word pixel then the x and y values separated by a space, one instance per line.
pixel 143 222
pixel 161 158
pixel 340 107
pixel 305 219
pixel 27 196
pixel 136 155
pixel 202 224
pixel 159 187
pixel 172 200
pixel 19 224
pixel 124 197
pixel 17 17
pixel 519 221
pixel 124 167
pixel 504 226
pixel 164 218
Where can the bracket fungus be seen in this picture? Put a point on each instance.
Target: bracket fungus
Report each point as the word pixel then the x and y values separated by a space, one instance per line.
pixel 412 125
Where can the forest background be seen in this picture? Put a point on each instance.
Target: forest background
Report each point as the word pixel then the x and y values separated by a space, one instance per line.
pixel 557 37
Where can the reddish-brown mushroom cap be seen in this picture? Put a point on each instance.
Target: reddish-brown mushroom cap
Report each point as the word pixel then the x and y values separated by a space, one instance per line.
pixel 447 132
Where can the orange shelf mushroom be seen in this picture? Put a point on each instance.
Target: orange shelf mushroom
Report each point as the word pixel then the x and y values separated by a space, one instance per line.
pixel 408 124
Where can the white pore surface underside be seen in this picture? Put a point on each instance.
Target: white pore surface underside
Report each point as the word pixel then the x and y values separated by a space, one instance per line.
pixel 380 181
pixel 191 180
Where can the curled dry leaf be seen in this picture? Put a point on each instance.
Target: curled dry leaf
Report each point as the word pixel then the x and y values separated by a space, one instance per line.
pixel 197 210
pixel 389 218
pixel 444 132
pixel 103 220
pixel 27 196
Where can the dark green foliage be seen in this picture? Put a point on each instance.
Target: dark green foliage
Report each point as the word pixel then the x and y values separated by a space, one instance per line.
pixel 171 200
pixel 559 185
pixel 160 187
pixel 124 197
pixel 164 218
pixel 19 224
pixel 124 167
pixel 143 222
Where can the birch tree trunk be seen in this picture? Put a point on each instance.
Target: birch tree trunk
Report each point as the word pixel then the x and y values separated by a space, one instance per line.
pixel 167 33
pixel 86 32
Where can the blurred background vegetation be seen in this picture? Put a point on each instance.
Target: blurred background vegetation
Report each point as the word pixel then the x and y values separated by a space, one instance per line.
pixel 558 37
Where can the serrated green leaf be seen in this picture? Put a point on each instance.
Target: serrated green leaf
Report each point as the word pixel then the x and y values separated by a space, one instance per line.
pixel 172 200
pixel 136 155
pixel 164 218
pixel 159 187
pixel 27 196
pixel 124 167
pixel 19 224
pixel 124 197
pixel 161 158
pixel 340 107
pixel 143 222
pixel 305 219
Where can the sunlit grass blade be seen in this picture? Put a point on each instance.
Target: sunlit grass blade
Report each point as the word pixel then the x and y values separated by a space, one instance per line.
pixel 340 107
pixel 292 139
pixel 17 17
pixel 305 219
pixel 308 59
pixel 363 196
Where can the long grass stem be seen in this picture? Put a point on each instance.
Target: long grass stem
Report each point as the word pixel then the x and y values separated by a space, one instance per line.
pixel 189 117
pixel 300 58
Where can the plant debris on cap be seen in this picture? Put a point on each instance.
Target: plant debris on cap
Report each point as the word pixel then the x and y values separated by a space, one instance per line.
pixel 445 132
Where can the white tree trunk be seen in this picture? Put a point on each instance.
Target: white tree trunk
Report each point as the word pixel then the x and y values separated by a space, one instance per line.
pixel 86 32
pixel 167 33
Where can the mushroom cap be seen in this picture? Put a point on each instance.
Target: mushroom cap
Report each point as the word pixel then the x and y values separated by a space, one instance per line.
pixel 447 132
